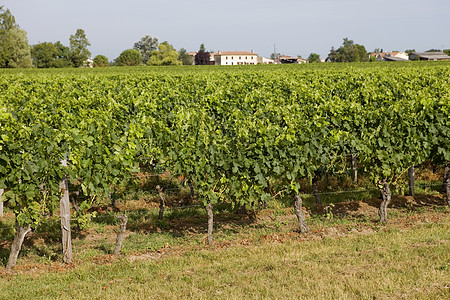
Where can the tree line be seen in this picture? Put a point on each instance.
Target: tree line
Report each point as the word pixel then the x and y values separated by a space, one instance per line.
pixel 17 53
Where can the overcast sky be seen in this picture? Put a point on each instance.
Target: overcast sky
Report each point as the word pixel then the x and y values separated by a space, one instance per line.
pixel 295 27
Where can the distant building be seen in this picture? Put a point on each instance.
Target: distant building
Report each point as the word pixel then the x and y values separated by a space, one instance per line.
pixel 230 58
pixel 265 61
pixel 291 60
pixel 192 55
pixel 88 63
pixel 390 56
pixel 428 56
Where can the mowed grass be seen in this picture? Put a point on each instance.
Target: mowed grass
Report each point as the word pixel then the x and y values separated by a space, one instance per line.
pixel 392 263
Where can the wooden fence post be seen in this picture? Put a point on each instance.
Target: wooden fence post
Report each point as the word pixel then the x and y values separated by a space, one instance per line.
pixel 64 205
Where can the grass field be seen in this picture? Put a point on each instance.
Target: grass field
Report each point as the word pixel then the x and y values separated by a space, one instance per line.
pixel 348 256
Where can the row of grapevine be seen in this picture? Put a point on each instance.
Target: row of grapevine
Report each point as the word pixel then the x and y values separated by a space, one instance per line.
pixel 232 133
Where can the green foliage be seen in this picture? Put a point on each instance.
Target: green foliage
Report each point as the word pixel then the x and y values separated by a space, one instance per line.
pixel 8 21
pixel 314 58
pixel 43 55
pixel 14 48
pixel 31 152
pixel 15 43
pixel 79 52
pixel 185 58
pixel 62 59
pixel 130 57
pixel 329 211
pixel 240 136
pixel 50 55
pixel 101 61
pixel 165 55
pixel 349 52
pixel 146 46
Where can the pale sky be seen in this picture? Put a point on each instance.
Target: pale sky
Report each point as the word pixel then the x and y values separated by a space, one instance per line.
pixel 295 27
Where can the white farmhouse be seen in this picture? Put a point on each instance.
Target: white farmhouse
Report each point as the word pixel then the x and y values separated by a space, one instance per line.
pixel 265 61
pixel 229 58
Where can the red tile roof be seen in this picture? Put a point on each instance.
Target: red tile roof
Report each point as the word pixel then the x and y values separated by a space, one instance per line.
pixel 234 53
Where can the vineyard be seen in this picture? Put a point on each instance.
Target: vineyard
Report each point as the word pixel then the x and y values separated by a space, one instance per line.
pixel 236 137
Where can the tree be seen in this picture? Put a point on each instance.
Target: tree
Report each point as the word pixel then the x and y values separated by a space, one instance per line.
pixel 348 52
pixel 63 56
pixel 146 46
pixel 314 58
pixel 101 61
pixel 446 51
pixel 79 44
pixel 14 48
pixel 275 55
pixel 50 55
pixel 165 55
pixel 7 21
pixel 202 57
pixel 44 55
pixel 185 58
pixel 130 57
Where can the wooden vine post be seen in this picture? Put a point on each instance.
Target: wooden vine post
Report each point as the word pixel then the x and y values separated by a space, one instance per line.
pixel 64 204
pixel 355 168
pixel 316 189
pixel 1 203
pixel 209 211
pixel 191 189
pixel 411 180
pixel 162 202
pixel 446 183
pixel 121 235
